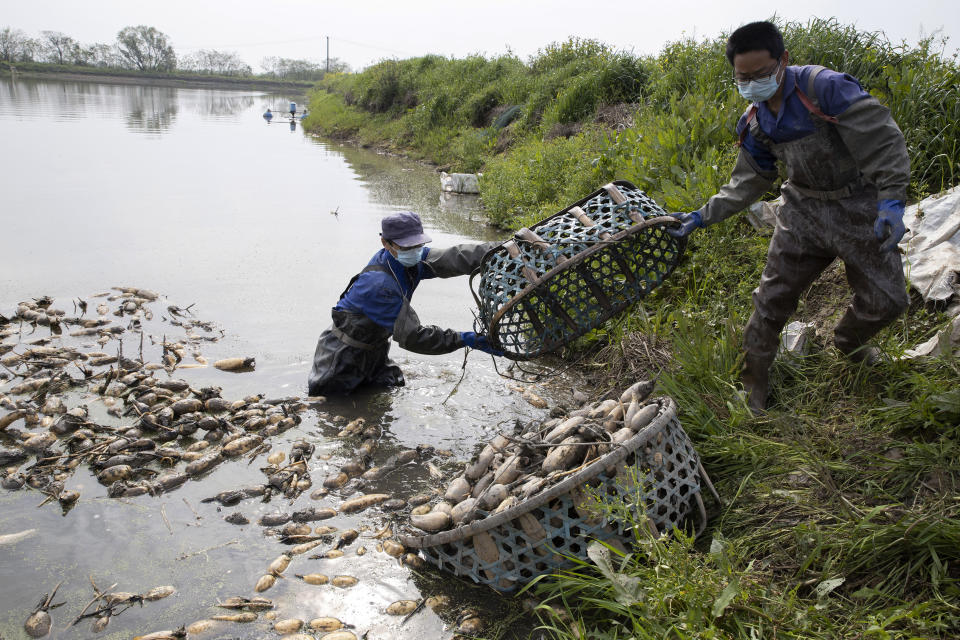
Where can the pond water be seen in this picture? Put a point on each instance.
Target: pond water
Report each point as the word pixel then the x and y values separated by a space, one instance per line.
pixel 256 228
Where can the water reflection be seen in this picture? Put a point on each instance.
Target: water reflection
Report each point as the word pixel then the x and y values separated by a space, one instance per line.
pixel 400 186
pixel 144 109
pixel 150 109
pixel 218 105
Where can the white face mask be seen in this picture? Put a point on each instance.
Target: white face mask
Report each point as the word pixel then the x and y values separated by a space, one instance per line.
pixel 760 90
pixel 409 257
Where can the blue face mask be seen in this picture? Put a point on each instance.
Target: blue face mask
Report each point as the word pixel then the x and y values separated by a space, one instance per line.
pixel 409 257
pixel 760 90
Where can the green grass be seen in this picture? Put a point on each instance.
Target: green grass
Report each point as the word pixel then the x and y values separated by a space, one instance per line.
pixel 841 506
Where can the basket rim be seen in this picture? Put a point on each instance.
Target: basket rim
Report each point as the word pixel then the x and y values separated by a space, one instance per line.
pixel 668 411
pixel 573 262
pixel 647 223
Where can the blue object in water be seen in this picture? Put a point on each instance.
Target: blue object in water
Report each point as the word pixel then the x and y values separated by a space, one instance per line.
pixel 293 107
pixel 267 115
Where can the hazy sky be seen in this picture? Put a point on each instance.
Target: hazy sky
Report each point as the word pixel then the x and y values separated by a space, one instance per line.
pixel 364 31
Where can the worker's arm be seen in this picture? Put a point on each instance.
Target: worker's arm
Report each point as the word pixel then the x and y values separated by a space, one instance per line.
pixel 458 260
pixel 752 176
pixel 429 339
pixel 748 181
pixel 876 143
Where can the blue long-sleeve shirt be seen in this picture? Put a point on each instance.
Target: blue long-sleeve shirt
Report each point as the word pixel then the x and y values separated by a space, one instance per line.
pixel 834 91
pixel 379 295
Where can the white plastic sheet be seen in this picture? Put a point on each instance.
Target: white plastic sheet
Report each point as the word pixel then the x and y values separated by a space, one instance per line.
pixel 932 247
pixel 460 182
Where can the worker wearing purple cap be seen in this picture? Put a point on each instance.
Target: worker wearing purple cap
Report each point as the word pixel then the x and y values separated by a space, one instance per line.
pixel 376 304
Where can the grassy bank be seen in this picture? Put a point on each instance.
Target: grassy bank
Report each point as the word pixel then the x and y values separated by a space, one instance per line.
pixel 181 78
pixel 841 507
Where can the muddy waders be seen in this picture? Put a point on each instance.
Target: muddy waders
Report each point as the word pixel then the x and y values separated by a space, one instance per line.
pixel 836 175
pixel 806 240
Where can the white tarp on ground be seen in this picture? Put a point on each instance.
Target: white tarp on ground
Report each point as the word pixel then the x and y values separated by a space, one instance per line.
pixel 932 263
pixel 932 247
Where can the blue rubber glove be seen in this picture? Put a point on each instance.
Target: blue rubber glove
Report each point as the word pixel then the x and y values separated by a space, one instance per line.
pixel 889 214
pixel 689 222
pixel 478 342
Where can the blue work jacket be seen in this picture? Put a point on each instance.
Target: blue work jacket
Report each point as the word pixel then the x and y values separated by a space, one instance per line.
pixel 379 295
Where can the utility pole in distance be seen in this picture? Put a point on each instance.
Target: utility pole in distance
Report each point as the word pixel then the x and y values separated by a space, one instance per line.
pixel 328 54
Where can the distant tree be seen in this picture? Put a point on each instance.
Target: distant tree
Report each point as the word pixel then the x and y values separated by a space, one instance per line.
pixel 57 46
pixel 338 66
pixel 31 51
pixel 94 55
pixel 223 63
pixel 80 55
pixel 145 48
pixel 105 55
pixel 295 69
pixel 12 43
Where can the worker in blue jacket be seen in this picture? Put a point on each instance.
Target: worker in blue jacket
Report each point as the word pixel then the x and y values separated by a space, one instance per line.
pixel 847 173
pixel 354 350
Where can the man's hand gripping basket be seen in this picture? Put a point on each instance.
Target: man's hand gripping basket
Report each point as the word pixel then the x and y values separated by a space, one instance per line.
pixel 658 467
pixel 574 270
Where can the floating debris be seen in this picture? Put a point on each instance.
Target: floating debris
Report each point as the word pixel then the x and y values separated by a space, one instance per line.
pixel 39 622
pixel 236 364
pixel 13 538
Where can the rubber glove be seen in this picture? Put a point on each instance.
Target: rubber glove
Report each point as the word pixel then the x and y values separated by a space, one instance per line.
pixel 889 214
pixel 689 222
pixel 478 342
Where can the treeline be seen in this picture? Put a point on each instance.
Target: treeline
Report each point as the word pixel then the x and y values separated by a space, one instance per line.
pixel 145 48
pixel 579 113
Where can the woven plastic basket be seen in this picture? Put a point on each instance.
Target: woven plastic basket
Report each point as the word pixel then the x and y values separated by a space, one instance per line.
pixel 574 270
pixel 537 535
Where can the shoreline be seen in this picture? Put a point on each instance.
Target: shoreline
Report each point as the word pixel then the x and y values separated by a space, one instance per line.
pixel 168 80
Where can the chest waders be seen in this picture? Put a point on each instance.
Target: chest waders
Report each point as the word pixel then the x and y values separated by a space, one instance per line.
pixel 828 212
pixel 352 352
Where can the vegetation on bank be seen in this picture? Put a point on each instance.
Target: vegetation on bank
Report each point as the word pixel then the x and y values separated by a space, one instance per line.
pixel 841 506
pixel 579 114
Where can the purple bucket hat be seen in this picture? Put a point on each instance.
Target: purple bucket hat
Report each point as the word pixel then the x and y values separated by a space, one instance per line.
pixel 404 229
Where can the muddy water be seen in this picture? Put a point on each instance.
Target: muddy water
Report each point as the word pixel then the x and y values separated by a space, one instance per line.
pixel 192 194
